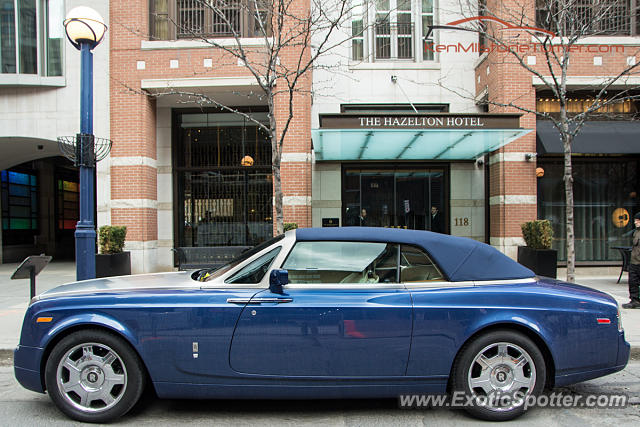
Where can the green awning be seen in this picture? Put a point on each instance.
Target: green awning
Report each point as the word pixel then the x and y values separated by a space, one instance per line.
pixel 409 144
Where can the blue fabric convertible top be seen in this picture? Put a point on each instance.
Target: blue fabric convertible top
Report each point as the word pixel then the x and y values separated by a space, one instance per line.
pixel 459 258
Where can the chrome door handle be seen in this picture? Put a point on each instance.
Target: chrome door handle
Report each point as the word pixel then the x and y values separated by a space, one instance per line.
pixel 238 300
pixel 268 299
pixel 258 300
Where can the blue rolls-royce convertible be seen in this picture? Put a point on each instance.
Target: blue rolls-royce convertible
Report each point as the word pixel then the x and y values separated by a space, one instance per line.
pixel 322 313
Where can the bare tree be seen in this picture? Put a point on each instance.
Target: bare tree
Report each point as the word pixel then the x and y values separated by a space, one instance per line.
pixel 556 31
pixel 294 34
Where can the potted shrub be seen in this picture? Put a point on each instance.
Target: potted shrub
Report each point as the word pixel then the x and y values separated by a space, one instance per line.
pixel 112 260
pixel 289 226
pixel 538 255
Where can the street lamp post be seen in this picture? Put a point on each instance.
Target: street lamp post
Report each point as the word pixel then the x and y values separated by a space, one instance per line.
pixel 85 29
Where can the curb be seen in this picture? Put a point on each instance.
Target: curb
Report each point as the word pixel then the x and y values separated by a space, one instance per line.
pixel 6 356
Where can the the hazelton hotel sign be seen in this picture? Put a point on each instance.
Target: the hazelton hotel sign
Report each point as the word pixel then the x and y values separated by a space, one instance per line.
pixel 420 121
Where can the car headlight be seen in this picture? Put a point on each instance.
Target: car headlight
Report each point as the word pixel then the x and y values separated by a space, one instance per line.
pixel 620 328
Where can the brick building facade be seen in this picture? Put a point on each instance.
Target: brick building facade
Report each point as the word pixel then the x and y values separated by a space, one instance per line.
pixel 175 177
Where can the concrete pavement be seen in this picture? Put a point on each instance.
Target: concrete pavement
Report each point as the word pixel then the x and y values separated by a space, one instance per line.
pixel 14 298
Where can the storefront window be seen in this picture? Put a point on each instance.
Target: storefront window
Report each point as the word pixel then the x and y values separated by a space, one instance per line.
pixel 403 198
pixel 605 198
pixel 222 202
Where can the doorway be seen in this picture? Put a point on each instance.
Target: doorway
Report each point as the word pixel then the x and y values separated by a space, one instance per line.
pixel 412 198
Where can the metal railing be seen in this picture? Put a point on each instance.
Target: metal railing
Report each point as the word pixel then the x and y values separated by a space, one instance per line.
pixel 172 19
pixel 605 17
pixel 211 19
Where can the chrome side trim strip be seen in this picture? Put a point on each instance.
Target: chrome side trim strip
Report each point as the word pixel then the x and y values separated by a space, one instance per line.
pixel 439 285
pixel 346 286
pixel 446 284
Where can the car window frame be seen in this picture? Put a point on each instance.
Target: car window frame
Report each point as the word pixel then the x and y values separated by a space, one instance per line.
pixel 218 282
pixel 238 271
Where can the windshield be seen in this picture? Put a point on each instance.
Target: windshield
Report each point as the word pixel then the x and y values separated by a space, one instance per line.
pixel 213 273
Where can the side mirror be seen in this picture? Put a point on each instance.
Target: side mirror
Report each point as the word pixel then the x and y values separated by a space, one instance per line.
pixel 277 279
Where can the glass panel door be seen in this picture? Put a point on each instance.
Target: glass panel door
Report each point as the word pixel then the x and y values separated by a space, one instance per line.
pixel 402 198
pixel 377 190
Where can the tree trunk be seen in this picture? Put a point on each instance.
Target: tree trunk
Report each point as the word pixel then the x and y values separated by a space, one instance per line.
pixel 567 139
pixel 277 191
pixel 276 157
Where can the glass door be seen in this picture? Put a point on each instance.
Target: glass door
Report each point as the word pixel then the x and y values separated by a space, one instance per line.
pixel 402 198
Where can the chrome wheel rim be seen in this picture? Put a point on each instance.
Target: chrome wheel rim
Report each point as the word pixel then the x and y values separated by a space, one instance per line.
pixel 501 376
pixel 91 377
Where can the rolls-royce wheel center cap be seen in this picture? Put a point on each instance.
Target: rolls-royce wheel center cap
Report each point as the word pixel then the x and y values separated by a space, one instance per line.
pixel 93 377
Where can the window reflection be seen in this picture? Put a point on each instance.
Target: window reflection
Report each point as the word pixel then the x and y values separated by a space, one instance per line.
pixel 28 37
pixel 601 187
pixel 37 27
pixel 8 36
pixel 342 262
pixel 55 16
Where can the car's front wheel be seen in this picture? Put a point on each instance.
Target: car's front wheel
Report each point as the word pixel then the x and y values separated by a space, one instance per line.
pixel 497 374
pixel 94 376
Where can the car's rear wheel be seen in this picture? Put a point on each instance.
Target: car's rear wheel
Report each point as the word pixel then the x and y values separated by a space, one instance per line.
pixel 94 376
pixel 497 373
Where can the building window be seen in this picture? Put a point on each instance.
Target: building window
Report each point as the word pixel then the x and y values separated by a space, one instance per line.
pixel 29 45
pixel 589 17
pixel 172 19
pixel 386 30
pixel 68 204
pixel 19 207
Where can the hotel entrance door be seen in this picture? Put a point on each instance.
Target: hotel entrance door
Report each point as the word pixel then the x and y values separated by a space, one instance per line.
pixel 403 198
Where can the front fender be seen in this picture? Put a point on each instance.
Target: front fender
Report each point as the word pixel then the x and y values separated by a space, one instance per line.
pixel 87 320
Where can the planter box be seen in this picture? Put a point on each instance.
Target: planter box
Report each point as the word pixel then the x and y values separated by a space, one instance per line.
pixel 543 262
pixel 113 264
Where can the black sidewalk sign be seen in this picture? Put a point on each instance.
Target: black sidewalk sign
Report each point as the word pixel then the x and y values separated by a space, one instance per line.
pixel 30 268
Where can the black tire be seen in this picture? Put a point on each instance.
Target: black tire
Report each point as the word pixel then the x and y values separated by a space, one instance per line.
pixel 480 374
pixel 100 368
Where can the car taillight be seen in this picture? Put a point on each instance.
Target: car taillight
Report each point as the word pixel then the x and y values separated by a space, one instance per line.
pixel 620 328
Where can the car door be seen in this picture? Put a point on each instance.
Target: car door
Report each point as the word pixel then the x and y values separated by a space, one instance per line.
pixel 198 331
pixel 343 313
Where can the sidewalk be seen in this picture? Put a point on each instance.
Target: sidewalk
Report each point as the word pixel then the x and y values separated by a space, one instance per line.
pixel 14 298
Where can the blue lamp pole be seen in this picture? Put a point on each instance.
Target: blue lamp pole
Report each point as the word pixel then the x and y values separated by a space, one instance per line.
pixel 85 29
